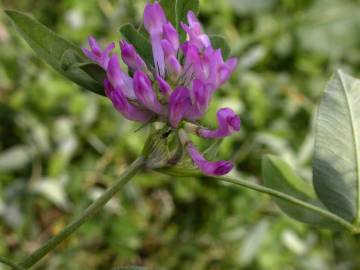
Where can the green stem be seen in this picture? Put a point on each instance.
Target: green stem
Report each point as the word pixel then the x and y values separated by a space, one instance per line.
pixel 291 199
pixel 10 264
pixel 89 212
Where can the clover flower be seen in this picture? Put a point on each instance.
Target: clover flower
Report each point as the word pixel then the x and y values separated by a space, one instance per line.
pixel 177 88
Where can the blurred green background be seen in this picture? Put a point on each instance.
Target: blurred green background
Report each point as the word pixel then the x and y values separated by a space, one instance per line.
pixel 60 147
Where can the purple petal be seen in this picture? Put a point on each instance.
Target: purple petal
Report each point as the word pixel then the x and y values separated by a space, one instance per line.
pixel 179 103
pixel 154 18
pixel 163 86
pixel 130 56
pixel 225 70
pixel 122 105
pixel 232 63
pixel 167 48
pixel 200 99
pixel 145 94
pixel 173 66
pixel 89 54
pixel 96 54
pixel 171 35
pixel 208 65
pixel 158 55
pixel 195 32
pixel 94 45
pixel 228 123
pixel 118 78
pixel 193 21
pixel 207 167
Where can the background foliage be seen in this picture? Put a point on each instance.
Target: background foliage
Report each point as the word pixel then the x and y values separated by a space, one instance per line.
pixel 60 146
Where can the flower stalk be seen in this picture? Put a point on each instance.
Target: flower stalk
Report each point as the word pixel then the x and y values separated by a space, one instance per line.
pixel 10 264
pixel 93 209
pixel 278 194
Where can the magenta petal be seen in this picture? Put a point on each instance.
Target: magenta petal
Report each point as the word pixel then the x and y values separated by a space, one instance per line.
pixel 228 123
pixel 89 54
pixel 154 18
pixel 163 86
pixel 123 106
pixel 200 99
pixel 94 45
pixel 171 35
pixel 130 56
pixel 173 68
pixel 167 48
pixel 191 17
pixel 96 54
pixel 195 32
pixel 179 103
pixel 207 167
pixel 158 55
pixel 232 63
pixel 145 94
pixel 118 78
pixel 225 70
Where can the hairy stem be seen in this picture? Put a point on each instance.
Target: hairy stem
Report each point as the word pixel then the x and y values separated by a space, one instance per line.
pixel 89 212
pixel 290 199
pixel 10 264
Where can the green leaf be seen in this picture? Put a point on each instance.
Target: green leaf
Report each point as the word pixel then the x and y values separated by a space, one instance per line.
pixel 336 166
pixel 279 176
pixel 52 48
pixel 94 70
pixel 141 43
pixel 169 9
pixel 182 7
pixel 219 42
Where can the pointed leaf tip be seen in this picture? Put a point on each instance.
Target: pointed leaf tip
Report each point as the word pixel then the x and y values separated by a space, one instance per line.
pixel 50 47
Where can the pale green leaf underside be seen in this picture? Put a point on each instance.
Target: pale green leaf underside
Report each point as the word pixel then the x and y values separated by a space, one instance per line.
pixel 336 162
pixel 279 176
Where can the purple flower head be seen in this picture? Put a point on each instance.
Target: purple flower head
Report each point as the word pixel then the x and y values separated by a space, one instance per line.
pixel 97 55
pixel 175 87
